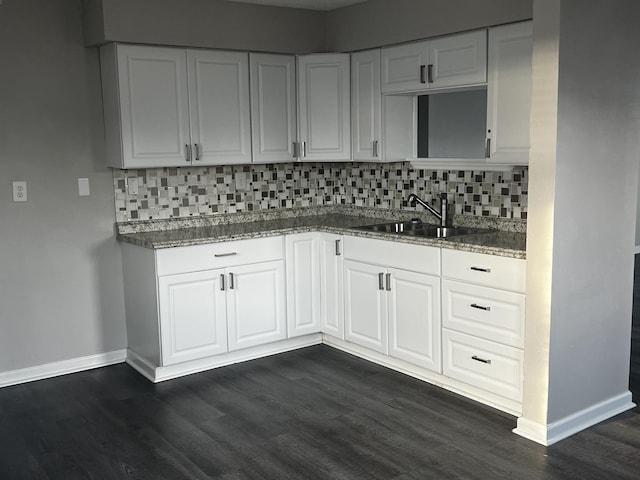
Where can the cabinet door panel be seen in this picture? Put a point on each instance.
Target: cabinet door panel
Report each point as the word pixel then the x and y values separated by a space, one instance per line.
pixel 366 105
pixel 401 67
pixel 303 284
pixel 509 92
pixel 256 306
pixel 324 91
pixel 273 107
pixel 192 316
pixel 414 318
pixel 331 285
pixel 365 306
pixel 459 59
pixel 219 107
pixel 154 106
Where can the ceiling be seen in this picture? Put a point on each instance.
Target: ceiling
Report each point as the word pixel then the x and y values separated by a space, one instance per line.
pixel 309 4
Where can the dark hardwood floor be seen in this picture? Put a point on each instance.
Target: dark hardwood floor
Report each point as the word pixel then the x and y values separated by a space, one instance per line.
pixel 315 413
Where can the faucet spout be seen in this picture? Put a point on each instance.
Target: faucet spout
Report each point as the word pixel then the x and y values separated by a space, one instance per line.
pixel 441 215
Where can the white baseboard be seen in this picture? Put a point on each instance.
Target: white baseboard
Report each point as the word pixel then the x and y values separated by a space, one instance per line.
pixel 574 423
pixel 64 367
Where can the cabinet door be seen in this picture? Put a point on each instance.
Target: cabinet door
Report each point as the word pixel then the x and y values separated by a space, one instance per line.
pixel 192 316
pixel 403 67
pixel 256 305
pixel 365 305
pixel 273 107
pixel 219 107
pixel 509 93
pixel 331 285
pixel 458 60
pixel 414 318
pixel 323 105
pixel 154 107
pixel 303 284
pixel 366 105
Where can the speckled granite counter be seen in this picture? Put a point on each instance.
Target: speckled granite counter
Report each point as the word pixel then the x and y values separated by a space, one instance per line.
pixel 184 232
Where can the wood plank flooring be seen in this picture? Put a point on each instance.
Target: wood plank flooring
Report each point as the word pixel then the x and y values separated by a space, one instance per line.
pixel 315 413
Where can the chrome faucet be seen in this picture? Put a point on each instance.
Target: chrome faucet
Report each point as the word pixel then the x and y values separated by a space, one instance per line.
pixel 440 215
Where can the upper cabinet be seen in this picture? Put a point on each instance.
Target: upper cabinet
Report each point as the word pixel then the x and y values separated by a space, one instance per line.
pixel 366 105
pixel 324 107
pixel 509 93
pixel 172 107
pixel 456 60
pixel 273 107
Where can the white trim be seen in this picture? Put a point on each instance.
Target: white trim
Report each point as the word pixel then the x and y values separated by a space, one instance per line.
pixel 574 423
pixel 64 367
pixel 459 164
pixel 637 250
pixel 160 374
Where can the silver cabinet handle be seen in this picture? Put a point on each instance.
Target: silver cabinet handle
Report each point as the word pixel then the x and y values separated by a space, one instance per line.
pixel 231 282
pixel 222 282
pixel 480 307
pixel 480 269
pixel 230 254
pixel 430 73
pixel 304 149
pixel 388 282
pixel 481 360
pixel 381 281
pixel 187 152
pixel 197 148
pixel 422 74
pixel 337 248
pixel 487 153
pixel 294 149
pixel 375 148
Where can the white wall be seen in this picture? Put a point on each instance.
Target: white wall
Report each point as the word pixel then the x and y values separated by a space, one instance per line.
pixel 583 181
pixel 61 293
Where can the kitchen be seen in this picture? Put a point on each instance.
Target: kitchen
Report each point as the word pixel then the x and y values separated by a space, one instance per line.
pixel 63 297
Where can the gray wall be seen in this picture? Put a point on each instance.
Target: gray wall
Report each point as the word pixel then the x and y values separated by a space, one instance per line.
pixel 205 23
pixel 61 280
pixel 377 23
pixel 583 178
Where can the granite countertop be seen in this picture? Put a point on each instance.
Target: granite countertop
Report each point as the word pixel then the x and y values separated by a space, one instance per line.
pixel 493 242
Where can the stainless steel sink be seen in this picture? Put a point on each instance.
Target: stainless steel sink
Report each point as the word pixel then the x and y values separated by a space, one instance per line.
pixel 419 229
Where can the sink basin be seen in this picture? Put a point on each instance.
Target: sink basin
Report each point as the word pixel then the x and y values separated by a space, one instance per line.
pixel 419 229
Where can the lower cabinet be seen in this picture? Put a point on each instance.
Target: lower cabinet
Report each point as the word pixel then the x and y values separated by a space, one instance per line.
pixel 391 310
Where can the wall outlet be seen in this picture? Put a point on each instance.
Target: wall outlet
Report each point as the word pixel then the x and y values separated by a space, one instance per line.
pixel 132 186
pixel 19 191
pixel 241 181
pixel 83 187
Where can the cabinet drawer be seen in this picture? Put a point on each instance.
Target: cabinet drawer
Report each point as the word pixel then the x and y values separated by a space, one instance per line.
pixel 406 256
pixel 483 364
pixel 218 255
pixel 489 270
pixel 485 312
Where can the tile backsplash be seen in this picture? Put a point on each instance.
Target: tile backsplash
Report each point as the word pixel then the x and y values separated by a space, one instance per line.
pixel 190 191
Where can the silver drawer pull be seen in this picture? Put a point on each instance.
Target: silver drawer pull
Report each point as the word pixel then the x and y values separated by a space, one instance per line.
pixel 222 282
pixel 481 307
pixel 480 269
pixel 388 282
pixel 337 248
pixel 381 281
pixel 230 254
pixel 231 282
pixel 481 360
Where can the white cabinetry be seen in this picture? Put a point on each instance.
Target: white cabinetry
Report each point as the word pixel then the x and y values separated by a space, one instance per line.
pixel 452 61
pixel 323 106
pixel 331 285
pixel 273 107
pixel 303 283
pixel 392 299
pixel 188 303
pixel 173 107
pixel 366 105
pixel 509 93
pixel 483 307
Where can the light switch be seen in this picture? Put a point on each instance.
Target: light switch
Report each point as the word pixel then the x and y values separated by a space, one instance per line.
pixel 83 187
pixel 19 191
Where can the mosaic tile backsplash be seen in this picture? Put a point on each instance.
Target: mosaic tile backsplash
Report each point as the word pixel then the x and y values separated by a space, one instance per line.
pixel 191 191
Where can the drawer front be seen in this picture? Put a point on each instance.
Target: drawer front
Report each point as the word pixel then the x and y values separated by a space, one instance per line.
pixel 386 253
pixel 195 258
pixel 483 364
pixel 484 312
pixel 488 270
